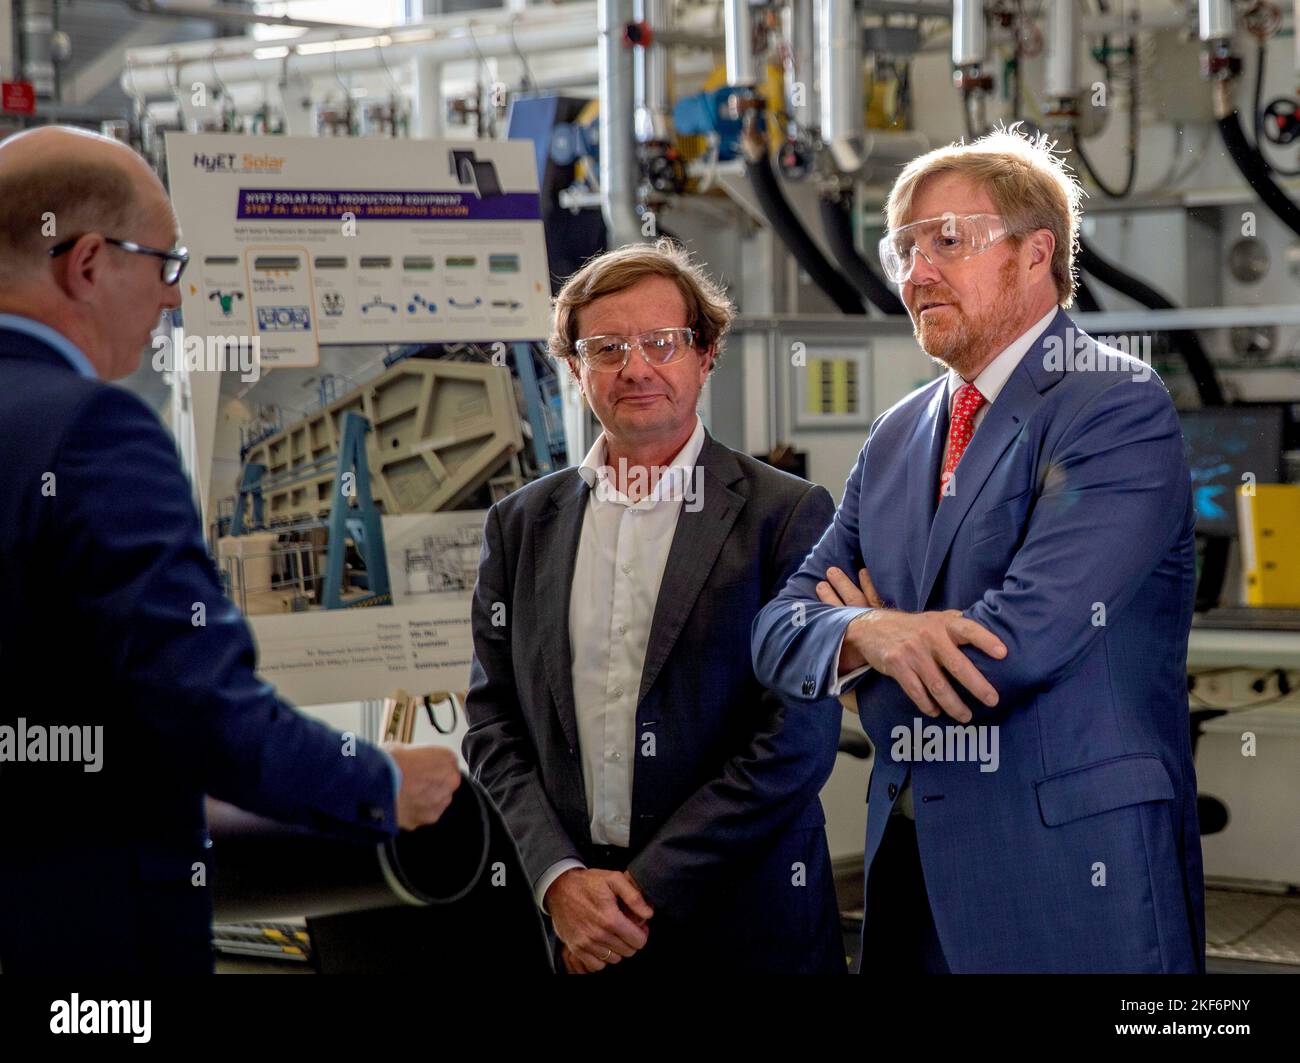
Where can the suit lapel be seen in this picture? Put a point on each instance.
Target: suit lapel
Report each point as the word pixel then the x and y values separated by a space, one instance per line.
pixel 1003 422
pixel 925 453
pixel 555 551
pixel 696 544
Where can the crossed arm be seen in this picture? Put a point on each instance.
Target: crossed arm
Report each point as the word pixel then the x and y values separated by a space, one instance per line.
pixel 1112 504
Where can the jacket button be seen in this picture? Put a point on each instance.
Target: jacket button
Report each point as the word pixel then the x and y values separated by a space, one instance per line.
pixel 893 791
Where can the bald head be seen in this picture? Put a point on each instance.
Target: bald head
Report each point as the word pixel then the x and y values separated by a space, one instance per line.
pixel 57 183
pixel 96 200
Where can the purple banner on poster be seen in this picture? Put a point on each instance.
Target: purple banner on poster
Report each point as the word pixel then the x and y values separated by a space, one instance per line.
pixel 308 204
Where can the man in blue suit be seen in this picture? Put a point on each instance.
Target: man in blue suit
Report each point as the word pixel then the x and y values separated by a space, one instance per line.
pixel 1007 587
pixel 124 702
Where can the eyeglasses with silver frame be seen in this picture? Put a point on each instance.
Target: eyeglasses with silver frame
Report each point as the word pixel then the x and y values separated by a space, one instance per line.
pixel 610 354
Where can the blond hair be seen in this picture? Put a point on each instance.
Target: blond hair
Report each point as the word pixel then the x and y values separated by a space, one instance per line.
pixel 708 310
pixel 1031 187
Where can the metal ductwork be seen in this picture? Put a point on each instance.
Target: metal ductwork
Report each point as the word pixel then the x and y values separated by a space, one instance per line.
pixel 739 29
pixel 650 66
pixel 969 42
pixel 618 159
pixel 843 117
pixel 1060 72
pixel 800 18
pixel 1214 20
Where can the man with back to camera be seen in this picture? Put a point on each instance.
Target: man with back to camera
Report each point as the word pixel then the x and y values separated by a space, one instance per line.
pixel 103 866
pixel 665 805
pixel 1014 550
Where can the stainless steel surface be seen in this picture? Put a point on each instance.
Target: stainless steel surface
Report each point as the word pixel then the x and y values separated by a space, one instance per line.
pixel 650 67
pixel 800 19
pixel 1060 70
pixel 618 165
pixel 1214 19
pixel 740 42
pixel 839 44
pixel 969 42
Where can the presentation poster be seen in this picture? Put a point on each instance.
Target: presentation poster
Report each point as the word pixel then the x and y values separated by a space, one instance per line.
pixel 420 643
pixel 301 241
pixel 351 654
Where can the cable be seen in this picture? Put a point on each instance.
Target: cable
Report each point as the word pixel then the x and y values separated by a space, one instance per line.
pixel 1255 170
pixel 530 84
pixel 837 225
pixel 1132 138
pixel 1185 341
pixel 786 224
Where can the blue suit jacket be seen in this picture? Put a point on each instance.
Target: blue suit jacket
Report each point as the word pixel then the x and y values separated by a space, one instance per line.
pixel 1069 536
pixel 102 563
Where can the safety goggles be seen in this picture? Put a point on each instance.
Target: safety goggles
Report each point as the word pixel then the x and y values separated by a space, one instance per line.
pixel 610 354
pixel 947 238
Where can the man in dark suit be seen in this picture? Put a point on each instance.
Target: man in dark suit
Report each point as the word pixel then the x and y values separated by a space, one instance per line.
pixel 104 649
pixel 665 805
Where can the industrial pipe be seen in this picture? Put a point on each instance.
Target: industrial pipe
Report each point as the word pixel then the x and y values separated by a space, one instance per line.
pixel 781 216
pixel 349 54
pixel 650 70
pixel 1249 161
pixel 739 30
pixel 969 37
pixel 619 170
pixel 801 80
pixel 842 116
pixel 837 225
pixel 1060 65
pixel 229 13
pixel 1185 341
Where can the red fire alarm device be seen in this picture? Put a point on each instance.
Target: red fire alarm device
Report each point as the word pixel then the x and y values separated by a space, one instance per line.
pixel 17 97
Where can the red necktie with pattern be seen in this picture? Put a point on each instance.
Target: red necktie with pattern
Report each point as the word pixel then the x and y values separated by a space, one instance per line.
pixel 966 401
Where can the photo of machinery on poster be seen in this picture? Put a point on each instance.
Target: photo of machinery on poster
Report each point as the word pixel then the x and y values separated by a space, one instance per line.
pixel 344 479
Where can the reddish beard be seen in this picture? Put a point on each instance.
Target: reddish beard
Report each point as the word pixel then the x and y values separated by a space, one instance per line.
pixel 966 343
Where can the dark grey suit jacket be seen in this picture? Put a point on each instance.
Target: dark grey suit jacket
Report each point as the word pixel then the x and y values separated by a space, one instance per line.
pixel 727 836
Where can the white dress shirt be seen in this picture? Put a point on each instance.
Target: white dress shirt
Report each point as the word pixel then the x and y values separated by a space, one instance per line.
pixel 989 383
pixel 622 554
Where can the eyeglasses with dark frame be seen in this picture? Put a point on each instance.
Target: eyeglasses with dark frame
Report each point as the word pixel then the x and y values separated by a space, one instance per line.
pixel 610 354
pixel 174 261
